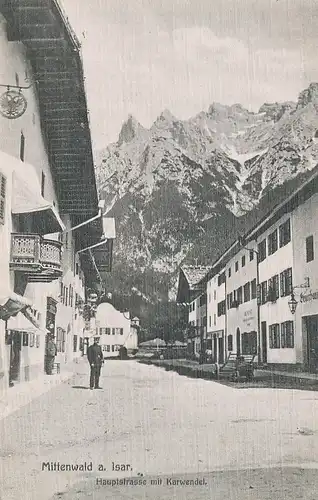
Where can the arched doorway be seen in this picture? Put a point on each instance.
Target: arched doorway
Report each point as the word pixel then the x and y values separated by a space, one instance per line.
pixel 238 342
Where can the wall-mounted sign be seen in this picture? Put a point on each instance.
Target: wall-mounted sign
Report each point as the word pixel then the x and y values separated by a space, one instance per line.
pixel 12 104
pixel 248 317
pixel 307 297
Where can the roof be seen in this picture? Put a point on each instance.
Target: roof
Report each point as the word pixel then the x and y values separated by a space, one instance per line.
pixel 194 274
pixel 189 277
pixel 54 53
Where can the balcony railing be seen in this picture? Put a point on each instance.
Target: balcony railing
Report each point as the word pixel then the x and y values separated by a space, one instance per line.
pixel 35 256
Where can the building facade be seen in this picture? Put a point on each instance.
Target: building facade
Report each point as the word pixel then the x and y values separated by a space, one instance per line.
pixel 47 188
pixel 241 302
pixel 262 292
pixel 116 330
pixel 216 316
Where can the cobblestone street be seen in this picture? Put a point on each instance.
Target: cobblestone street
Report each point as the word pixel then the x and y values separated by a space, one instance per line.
pixel 158 423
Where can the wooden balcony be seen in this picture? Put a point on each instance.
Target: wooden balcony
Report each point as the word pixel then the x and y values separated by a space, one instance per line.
pixel 40 259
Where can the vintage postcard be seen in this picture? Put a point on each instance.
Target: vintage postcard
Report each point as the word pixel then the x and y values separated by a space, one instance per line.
pixel 158 249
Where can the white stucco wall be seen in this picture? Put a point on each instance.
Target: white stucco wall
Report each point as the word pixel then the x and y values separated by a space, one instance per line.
pixel 277 312
pixel 109 317
pixel 243 317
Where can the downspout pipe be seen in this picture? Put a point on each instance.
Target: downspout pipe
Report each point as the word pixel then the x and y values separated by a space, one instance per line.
pixel 101 205
pixel 92 246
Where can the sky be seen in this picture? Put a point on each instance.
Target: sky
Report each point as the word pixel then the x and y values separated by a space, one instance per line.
pixel 143 56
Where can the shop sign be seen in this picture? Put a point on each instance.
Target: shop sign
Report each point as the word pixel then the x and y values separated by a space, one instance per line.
pixel 248 317
pixel 308 297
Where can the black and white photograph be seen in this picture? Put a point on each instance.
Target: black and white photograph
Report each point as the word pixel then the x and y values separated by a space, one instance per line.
pixel 158 249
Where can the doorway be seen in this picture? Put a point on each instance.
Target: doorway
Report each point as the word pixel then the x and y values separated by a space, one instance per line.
pixel 215 349
pixel 15 356
pixel 264 341
pixel 312 342
pixel 221 350
pixel 238 342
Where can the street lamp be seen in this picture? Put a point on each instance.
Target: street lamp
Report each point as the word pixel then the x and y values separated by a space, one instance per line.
pixel 292 303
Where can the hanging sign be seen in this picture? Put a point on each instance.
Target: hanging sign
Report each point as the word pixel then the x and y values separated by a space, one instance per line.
pixel 12 104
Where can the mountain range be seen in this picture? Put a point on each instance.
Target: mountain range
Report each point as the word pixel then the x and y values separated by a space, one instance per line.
pixel 181 190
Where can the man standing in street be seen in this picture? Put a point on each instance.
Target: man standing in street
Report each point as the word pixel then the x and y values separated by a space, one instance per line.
pixel 96 359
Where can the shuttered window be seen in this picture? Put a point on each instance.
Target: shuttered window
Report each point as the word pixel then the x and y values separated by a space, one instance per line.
pixel 3 186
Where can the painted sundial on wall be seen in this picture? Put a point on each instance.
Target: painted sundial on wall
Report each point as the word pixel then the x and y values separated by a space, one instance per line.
pixel 12 104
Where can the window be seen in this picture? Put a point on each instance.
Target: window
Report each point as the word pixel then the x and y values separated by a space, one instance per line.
pixel 221 308
pixel 221 278
pixel 42 183
pixel 102 331
pixel 210 321
pixel 262 251
pixel 253 289
pixel 240 295
pixel 113 348
pixel 3 185
pixel 287 334
pixel 209 297
pixel 310 249
pixel 121 331
pixel 230 343
pixel 22 146
pixel 74 343
pixel 229 272
pixel 263 290
pixel 108 348
pixel 202 300
pixel 247 292
pixel 229 300
pixel 273 288
pixel 251 255
pixel 236 266
pixel 274 340
pixel 243 260
pixel 272 242
pixel 214 294
pixel 214 319
pixel 113 331
pixel 286 282
pixel 284 233
pixel 107 331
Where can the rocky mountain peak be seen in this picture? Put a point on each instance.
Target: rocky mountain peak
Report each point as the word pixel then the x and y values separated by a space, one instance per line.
pixel 275 111
pixel 130 129
pixel 222 111
pixel 178 188
pixel 309 95
pixel 166 117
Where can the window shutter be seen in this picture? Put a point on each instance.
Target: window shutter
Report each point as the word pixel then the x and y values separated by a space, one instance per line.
pixel 271 337
pixel 282 285
pixel 3 186
pixel 283 334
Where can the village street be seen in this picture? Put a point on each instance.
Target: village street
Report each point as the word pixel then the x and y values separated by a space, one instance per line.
pixel 162 424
